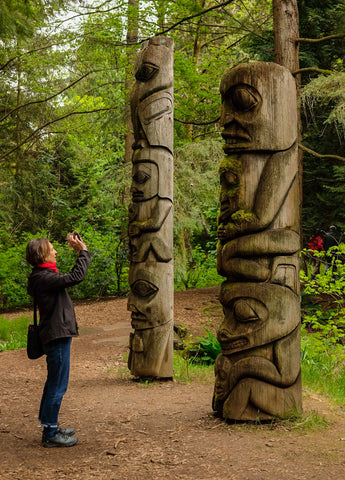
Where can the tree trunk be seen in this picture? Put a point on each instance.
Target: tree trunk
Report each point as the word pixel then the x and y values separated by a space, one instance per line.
pixel 285 20
pixel 286 53
pixel 132 40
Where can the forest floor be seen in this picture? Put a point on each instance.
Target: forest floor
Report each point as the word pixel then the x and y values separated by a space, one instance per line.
pixel 161 430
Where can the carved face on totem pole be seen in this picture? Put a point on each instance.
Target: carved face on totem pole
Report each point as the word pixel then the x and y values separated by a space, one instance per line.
pixel 151 168
pixel 147 300
pixel 144 181
pixel 152 100
pixel 253 116
pixel 253 315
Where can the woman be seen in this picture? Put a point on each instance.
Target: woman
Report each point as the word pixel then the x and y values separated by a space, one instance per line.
pixel 57 326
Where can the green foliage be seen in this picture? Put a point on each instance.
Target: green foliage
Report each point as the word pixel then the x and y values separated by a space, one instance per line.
pixel 13 275
pixel 309 420
pixel 108 270
pixel 327 91
pixel 196 360
pixel 13 333
pixel 202 350
pixel 323 363
pixel 199 271
pixel 196 203
pixel 323 329
pixel 322 112
pixel 209 347
pixel 107 273
pixel 318 20
pixel 185 371
pixel 63 105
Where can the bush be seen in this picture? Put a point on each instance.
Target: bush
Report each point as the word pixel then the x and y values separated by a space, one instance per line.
pixel 107 273
pixel 13 275
pixel 203 350
pixel 323 328
pixel 199 271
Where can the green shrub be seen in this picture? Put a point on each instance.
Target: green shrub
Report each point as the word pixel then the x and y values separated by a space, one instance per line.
pixel 199 271
pixel 108 270
pixel 202 350
pixel 323 329
pixel 13 275
pixel 209 347
pixel 107 275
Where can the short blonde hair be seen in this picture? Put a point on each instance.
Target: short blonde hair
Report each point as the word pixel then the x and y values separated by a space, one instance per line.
pixel 37 250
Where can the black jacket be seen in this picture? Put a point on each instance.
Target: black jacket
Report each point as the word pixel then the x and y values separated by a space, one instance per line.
pixel 330 240
pixel 57 316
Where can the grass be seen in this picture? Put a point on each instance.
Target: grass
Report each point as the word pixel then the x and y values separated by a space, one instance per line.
pixel 185 371
pixel 188 371
pixel 310 420
pixel 13 333
pixel 306 422
pixel 323 367
pixel 326 376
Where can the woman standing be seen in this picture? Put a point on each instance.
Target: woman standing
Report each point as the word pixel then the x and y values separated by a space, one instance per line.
pixel 57 326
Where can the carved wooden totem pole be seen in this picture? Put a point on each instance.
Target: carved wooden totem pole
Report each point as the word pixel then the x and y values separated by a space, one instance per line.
pixel 151 212
pixel 258 373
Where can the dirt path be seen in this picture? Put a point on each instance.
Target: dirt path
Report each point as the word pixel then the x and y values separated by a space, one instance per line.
pixel 166 430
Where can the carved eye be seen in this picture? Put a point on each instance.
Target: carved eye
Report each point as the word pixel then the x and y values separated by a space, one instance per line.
pixel 143 288
pixel 146 72
pixel 244 98
pixel 141 177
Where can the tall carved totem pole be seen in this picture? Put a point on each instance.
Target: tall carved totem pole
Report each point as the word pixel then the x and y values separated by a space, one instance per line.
pixel 151 212
pixel 258 373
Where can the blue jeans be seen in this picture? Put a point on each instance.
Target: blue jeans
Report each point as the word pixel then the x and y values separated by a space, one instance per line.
pixel 58 362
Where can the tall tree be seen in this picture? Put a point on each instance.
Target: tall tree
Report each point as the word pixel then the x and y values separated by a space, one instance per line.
pixel 286 53
pixel 286 33
pixel 132 49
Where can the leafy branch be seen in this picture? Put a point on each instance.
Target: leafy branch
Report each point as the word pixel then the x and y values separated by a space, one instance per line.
pixel 44 100
pixel 190 17
pixel 95 10
pixel 193 122
pixel 319 155
pixel 42 127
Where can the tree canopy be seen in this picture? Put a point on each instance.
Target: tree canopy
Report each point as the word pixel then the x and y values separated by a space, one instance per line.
pixel 65 68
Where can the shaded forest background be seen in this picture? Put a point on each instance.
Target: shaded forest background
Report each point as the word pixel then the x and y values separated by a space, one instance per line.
pixel 66 69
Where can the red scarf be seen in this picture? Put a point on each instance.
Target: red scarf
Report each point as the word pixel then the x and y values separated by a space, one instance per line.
pixel 52 266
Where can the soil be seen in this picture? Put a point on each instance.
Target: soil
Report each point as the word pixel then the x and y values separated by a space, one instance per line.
pixel 159 430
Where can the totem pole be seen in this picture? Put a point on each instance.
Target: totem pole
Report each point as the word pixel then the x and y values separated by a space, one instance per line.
pixel 258 373
pixel 150 227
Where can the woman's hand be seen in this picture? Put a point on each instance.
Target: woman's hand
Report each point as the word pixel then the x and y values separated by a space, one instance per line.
pixel 75 241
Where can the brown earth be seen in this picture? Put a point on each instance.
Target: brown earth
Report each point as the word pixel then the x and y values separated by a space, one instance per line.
pixel 162 430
